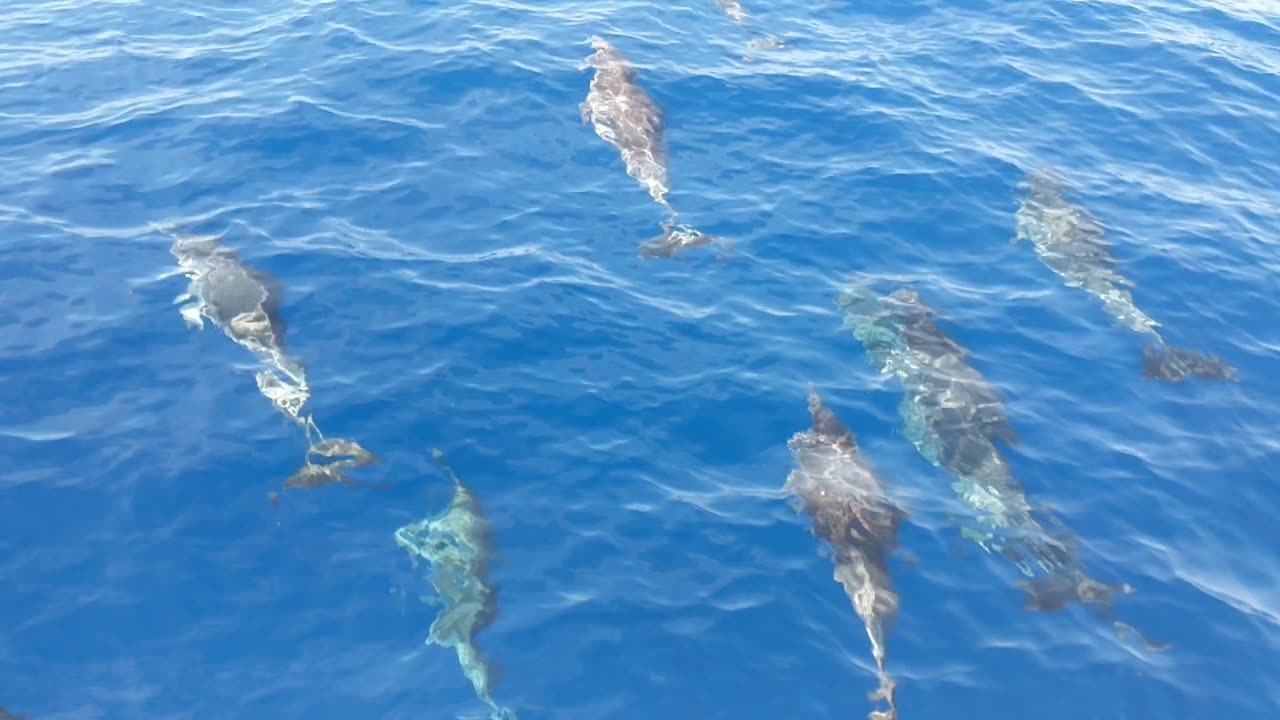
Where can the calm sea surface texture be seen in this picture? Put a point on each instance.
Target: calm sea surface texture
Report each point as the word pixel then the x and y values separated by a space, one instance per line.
pixel 458 255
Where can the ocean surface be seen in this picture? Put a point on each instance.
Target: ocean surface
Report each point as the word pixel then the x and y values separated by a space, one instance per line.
pixel 460 259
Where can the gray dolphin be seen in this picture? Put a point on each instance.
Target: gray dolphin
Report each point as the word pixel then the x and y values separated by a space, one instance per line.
pixel 457 546
pixel 841 491
pixel 625 116
pixel 955 418
pixel 1068 240
pixel 245 304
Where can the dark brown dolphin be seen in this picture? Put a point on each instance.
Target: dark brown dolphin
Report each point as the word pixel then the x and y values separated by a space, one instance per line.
pixel 841 491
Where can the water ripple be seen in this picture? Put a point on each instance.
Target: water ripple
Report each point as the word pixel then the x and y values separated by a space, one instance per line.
pixel 460 259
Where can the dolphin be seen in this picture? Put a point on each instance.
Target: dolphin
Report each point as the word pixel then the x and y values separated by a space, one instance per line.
pixel 955 419
pixel 841 491
pixel 6 715
pixel 457 546
pixel 245 304
pixel 1068 240
pixel 626 117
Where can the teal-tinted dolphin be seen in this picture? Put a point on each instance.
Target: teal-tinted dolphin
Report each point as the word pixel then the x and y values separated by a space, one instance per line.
pixel 955 419
pixel 457 546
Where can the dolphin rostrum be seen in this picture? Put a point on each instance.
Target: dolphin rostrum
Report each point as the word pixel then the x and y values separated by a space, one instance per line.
pixel 954 418
pixel 245 304
pixel 457 547
pixel 838 488
pixel 1068 240
pixel 625 116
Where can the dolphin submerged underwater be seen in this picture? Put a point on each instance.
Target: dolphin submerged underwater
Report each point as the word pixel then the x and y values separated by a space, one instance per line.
pixel 245 304
pixel 840 490
pixel 457 546
pixel 955 418
pixel 624 115
pixel 1068 241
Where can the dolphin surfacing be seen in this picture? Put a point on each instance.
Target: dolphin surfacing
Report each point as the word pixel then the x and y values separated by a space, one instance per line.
pixel 841 491
pixel 457 546
pixel 245 304
pixel 955 419
pixel 1068 241
pixel 624 115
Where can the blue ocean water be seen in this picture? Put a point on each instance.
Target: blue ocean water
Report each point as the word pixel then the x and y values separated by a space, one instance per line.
pixel 460 258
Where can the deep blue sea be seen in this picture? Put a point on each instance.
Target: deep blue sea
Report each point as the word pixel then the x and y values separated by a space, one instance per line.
pixel 460 259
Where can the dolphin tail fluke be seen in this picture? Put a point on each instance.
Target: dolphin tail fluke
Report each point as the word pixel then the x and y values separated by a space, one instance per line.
pixel 502 713
pixel 675 238
pixel 885 692
pixel 1162 362
pixel 315 475
pixel 1123 630
pixel 336 456
pixel 1054 592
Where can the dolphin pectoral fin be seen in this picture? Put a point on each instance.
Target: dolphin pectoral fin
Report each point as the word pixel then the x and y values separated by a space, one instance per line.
pixel 1176 364
pixel 192 315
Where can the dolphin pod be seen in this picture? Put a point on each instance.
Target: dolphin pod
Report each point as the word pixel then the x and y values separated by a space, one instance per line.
pixel 841 491
pixel 626 117
pixel 245 304
pixel 955 418
pixel 1068 240
pixel 952 416
pixel 457 547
